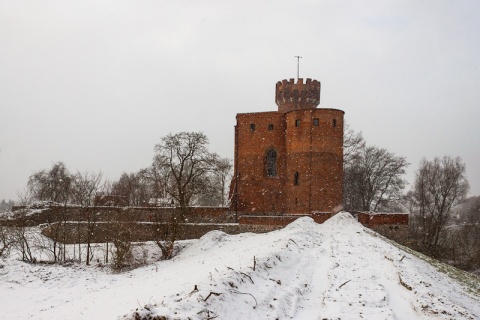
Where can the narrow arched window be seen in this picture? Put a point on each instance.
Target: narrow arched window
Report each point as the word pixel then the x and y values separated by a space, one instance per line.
pixel 271 163
pixel 295 179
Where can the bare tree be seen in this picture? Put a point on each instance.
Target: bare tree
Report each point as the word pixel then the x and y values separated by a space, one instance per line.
pixel 23 242
pixel 85 186
pixel 52 185
pixel 182 160
pixel 164 232
pixel 353 143
pixel 6 206
pixel 223 173
pixel 122 240
pixel 373 179
pixel 134 186
pixel 6 240
pixel 25 197
pixel 439 186
pixel 91 219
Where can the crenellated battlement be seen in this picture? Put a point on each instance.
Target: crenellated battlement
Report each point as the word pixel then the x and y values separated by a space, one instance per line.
pixel 291 96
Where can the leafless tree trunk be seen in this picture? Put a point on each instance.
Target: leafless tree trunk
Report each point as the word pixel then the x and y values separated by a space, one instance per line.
pixel 85 186
pixel 164 233
pixel 183 160
pixel 24 197
pixel 122 240
pixel 6 241
pixel 23 244
pixel 223 172
pixel 91 225
pixel 373 179
pixel 353 142
pixel 439 186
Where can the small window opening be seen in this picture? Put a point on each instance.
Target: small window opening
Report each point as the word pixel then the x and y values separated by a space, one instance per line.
pixel 271 163
pixel 334 123
pixel 296 201
pixel 295 179
pixel 252 126
pixel 315 122
pixel 297 123
pixel 270 126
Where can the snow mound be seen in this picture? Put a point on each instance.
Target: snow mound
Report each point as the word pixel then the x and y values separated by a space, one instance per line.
pixel 206 242
pixel 301 223
pixel 341 219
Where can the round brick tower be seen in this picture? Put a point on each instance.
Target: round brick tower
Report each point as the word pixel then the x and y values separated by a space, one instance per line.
pixel 313 148
pixel 291 96
pixel 290 160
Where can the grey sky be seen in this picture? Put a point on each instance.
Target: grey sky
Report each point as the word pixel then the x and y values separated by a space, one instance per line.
pixel 95 84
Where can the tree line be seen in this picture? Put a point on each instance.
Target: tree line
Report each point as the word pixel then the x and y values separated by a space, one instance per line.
pixel 6 205
pixel 442 225
pixel 183 170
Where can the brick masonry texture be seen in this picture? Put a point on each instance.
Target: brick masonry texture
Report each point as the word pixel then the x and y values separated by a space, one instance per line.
pixel 308 143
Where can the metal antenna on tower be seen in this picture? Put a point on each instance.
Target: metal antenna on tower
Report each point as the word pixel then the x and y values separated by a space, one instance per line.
pixel 298 66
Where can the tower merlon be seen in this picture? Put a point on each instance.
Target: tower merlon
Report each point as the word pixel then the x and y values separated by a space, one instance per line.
pixel 296 96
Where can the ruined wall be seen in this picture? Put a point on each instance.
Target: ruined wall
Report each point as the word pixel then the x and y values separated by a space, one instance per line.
pixel 76 232
pixel 52 214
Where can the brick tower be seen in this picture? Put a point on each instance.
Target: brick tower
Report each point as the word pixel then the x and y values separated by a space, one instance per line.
pixel 289 161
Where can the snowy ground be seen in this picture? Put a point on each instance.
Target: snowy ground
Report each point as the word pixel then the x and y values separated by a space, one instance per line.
pixel 337 270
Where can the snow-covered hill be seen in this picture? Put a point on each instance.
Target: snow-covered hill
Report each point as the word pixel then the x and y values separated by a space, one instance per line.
pixel 337 270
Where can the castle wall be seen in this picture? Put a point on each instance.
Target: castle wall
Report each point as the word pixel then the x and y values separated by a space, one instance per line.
pixel 281 221
pixel 259 192
pixel 314 150
pixel 376 219
pixel 291 96
pixel 143 222
pixel 309 146
pixel 53 214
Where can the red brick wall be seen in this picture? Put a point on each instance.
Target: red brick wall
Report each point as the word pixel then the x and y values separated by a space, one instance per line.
pixel 267 220
pixel 142 214
pixel 318 217
pixel 378 219
pixel 315 152
pixel 259 193
pixel 296 96
pixel 321 217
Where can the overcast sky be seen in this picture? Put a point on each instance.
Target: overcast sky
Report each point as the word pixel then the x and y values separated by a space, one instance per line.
pixel 96 84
